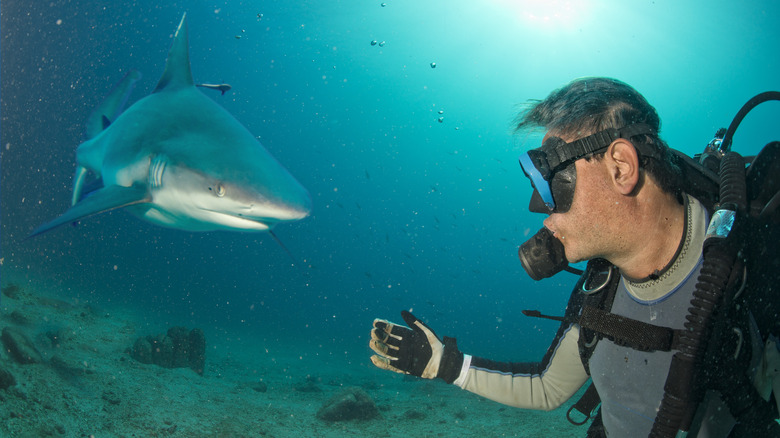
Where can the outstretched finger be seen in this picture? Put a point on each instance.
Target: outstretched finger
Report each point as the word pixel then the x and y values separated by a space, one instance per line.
pixel 379 335
pixel 395 331
pixel 384 363
pixel 378 347
pixel 418 325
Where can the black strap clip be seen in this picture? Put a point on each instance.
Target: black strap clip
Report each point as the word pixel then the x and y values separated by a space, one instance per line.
pixel 587 405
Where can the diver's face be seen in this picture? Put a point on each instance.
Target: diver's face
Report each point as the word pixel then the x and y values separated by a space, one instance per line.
pixel 583 228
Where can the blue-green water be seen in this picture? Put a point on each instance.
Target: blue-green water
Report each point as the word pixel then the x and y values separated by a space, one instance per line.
pixel 409 212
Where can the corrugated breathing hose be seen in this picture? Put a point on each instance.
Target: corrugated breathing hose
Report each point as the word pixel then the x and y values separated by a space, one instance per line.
pixel 681 396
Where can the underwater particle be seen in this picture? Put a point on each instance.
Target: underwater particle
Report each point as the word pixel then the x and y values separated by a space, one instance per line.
pixel 384 4
pixel 382 44
pixel 456 128
pixel 238 37
pixel 433 65
pixel 441 119
pixel 441 111
pixel 373 43
pixel 259 16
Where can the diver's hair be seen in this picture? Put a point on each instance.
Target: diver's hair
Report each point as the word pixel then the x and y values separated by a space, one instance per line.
pixel 589 105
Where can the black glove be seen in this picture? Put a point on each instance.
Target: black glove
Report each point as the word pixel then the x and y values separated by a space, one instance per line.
pixel 416 351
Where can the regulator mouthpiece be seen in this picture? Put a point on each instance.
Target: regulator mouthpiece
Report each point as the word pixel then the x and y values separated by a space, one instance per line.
pixel 542 256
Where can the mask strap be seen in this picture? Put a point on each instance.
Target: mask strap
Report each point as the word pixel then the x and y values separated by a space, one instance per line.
pixel 563 152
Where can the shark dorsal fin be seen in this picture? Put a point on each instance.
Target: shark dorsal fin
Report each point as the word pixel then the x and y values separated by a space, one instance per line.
pixel 177 68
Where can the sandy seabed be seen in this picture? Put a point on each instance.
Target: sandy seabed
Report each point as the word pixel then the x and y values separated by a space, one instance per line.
pixel 87 385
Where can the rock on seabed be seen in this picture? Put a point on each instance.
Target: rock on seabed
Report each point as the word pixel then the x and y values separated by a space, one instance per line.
pixel 350 404
pixel 19 346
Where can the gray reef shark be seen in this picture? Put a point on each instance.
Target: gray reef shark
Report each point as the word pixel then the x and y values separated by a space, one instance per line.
pixel 177 159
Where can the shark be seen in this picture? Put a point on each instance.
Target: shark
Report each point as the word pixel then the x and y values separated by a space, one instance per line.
pixel 176 158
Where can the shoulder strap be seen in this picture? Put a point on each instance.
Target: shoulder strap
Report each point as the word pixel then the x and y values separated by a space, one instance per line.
pixel 599 285
pixel 629 332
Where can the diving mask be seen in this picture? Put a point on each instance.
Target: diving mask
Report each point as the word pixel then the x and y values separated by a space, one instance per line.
pixel 551 167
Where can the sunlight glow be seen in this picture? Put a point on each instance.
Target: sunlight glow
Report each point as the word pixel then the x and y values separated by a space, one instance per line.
pixel 547 13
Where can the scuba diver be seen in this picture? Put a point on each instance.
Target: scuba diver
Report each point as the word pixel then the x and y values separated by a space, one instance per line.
pixel 675 318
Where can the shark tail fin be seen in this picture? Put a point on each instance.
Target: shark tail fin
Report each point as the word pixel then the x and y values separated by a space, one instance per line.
pixel 112 106
pixel 177 68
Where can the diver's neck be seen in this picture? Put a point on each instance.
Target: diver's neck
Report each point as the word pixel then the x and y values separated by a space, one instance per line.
pixel 654 229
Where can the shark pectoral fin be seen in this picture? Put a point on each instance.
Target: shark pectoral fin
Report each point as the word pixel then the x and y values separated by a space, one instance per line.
pixel 102 200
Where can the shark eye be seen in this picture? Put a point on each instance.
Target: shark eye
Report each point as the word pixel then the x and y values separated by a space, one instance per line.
pixel 219 190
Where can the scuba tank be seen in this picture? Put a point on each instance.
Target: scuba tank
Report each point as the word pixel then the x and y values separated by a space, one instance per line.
pixel 743 202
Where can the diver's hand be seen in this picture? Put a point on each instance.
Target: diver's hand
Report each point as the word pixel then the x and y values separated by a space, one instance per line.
pixel 416 350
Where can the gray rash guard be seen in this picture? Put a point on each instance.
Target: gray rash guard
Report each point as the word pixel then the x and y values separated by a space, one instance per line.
pixel 630 382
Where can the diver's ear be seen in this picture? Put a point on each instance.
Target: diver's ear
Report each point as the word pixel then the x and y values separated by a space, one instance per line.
pixel 623 165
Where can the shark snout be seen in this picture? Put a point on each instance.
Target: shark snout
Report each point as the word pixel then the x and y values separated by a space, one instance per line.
pixel 291 208
pixel 294 210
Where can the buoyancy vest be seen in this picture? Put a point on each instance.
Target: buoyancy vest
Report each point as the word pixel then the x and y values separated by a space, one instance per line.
pixel 615 325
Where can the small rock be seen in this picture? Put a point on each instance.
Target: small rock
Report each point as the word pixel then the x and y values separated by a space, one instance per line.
pixel 197 359
pixel 179 348
pixel 20 347
pixel 12 291
pixel 350 404
pixel 162 351
pixel 19 318
pixel 308 386
pixel 7 379
pixel 142 351
pixel 414 414
pixel 111 397
pixel 259 386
